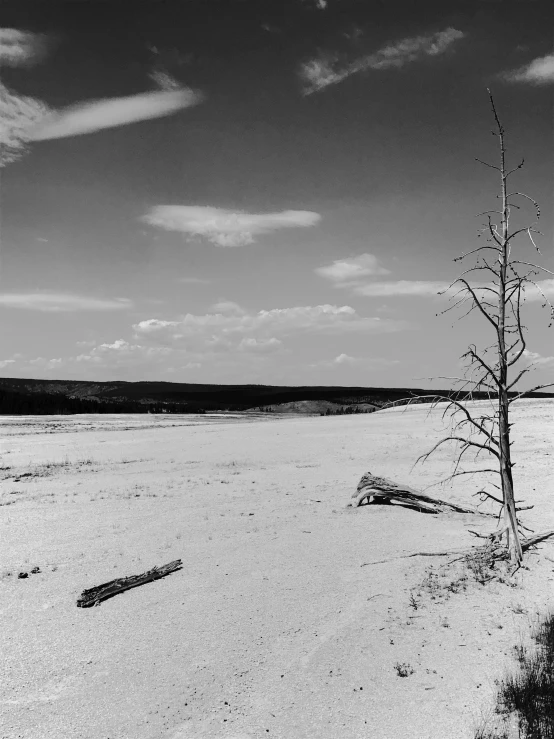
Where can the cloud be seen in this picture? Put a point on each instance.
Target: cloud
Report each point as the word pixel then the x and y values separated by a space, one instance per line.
pixel 421 288
pixel 111 112
pixel 261 331
pixel 60 302
pixel 331 68
pixel 46 364
pixel 430 288
pixel 538 72
pixel 540 290
pixel 18 114
pixel 263 346
pixel 20 48
pixel 5 362
pixel 232 341
pixel 348 271
pixel 118 346
pixel 318 4
pixel 344 359
pixel 537 359
pixel 164 80
pixel 352 272
pixel 121 351
pixel 225 227
pixel 153 325
pixel 25 119
pixel 228 306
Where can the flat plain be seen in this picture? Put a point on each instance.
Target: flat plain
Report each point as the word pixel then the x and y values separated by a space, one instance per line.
pixel 293 617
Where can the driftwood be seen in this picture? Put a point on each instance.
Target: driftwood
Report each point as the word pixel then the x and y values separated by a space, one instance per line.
pixel 93 596
pixel 373 489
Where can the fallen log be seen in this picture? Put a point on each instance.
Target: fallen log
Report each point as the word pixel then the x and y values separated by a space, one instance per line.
pixel 374 489
pixel 93 596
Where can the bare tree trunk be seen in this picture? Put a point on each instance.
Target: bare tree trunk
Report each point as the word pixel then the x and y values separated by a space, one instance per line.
pixel 510 517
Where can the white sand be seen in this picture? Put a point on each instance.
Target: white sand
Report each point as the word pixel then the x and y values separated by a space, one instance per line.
pixel 272 628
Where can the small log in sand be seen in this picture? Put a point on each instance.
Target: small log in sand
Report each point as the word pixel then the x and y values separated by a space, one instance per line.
pixel 93 596
pixel 381 490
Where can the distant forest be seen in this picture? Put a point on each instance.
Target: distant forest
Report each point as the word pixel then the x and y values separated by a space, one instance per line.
pixel 19 396
pixel 45 404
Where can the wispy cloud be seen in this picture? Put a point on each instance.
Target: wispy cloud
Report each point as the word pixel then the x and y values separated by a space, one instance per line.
pixel 346 360
pixel 61 302
pixel 263 346
pixel 120 352
pixel 18 114
pixel 25 119
pixel 20 48
pixel 422 288
pixel 164 80
pixel 227 331
pixel 229 307
pixel 536 359
pixel 6 362
pixel 538 72
pixel 112 112
pixel 225 227
pixel 318 4
pixel 344 272
pixel 354 271
pixel 331 68
pixel 237 340
pixel 426 288
pixel 540 290
pixel 46 364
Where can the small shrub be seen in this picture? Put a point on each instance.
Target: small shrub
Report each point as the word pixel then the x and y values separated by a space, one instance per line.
pixel 403 669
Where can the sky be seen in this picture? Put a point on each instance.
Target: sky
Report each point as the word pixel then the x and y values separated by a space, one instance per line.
pixel 263 191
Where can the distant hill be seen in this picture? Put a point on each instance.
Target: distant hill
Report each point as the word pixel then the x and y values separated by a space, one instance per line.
pixel 30 397
pixel 317 408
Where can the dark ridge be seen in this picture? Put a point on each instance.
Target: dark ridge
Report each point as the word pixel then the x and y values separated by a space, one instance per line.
pixel 32 396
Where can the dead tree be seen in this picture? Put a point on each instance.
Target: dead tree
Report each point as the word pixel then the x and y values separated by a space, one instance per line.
pixel 499 367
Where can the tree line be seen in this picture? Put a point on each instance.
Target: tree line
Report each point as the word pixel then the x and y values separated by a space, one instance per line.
pixel 37 404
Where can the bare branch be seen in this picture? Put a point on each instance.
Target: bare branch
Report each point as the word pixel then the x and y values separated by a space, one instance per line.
pixel 477 302
pixel 484 495
pixel 523 195
pixel 528 392
pixel 492 166
pixel 467 443
pixel 515 169
pixel 535 266
pixel 474 251
pixel 471 353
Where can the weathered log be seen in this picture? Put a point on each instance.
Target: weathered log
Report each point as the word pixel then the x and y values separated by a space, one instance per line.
pixel 93 596
pixel 379 489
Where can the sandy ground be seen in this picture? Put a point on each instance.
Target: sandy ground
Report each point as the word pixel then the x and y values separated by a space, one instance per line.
pixel 273 627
